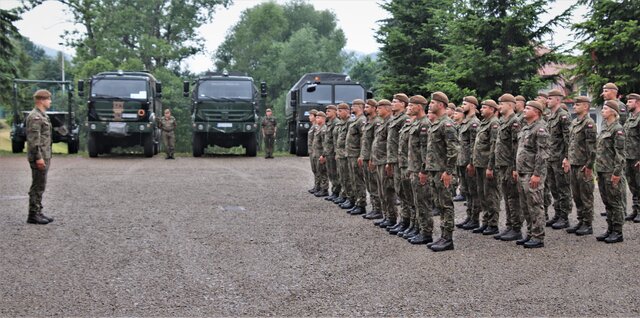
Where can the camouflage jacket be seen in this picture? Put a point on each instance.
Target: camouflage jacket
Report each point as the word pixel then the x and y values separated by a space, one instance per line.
pixel 533 149
pixel 506 144
pixel 442 146
pixel 38 127
pixel 558 125
pixel 354 136
pixel 418 141
pixel 393 136
pixel 341 140
pixel 310 134
pixel 167 125
pixel 632 140
pixel 403 144
pixel 485 142
pixel 467 134
pixel 318 141
pixel 582 142
pixel 623 112
pixel 379 145
pixel 367 137
pixel 610 149
pixel 329 142
pixel 269 125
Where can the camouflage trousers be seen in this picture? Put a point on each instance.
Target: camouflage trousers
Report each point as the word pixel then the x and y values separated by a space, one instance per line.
pixel 387 193
pixel 359 191
pixel 532 204
pixel 489 197
pixel 372 186
pixel 314 169
pixel 633 181
pixel 443 201
pixel 402 185
pixel 269 140
pixel 470 191
pixel 169 142
pixel 509 188
pixel 560 188
pixel 582 193
pixel 344 175
pixel 332 172
pixel 612 198
pixel 423 202
pixel 38 185
pixel 321 169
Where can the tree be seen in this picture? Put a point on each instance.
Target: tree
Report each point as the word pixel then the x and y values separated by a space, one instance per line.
pixel 365 70
pixel 8 51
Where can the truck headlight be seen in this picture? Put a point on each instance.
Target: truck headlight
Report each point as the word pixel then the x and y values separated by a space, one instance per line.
pixel 141 127
pixel 200 127
pixel 306 125
pixel 249 127
pixel 93 126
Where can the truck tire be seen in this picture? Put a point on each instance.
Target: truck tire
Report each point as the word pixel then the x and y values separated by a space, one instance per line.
pixel 301 147
pixel 251 147
pixel 73 146
pixel 17 146
pixel 292 147
pixel 197 145
pixel 92 145
pixel 148 146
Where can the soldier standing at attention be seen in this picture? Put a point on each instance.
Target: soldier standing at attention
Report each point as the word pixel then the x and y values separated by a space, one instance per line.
pixel 610 163
pixel 442 153
pixel 344 114
pixel 542 99
pixel 558 126
pixel 407 208
pixel 632 153
pixel 269 130
pixel 503 161
pixel 531 168
pixel 370 109
pixel 379 161
pixel 354 143
pixel 520 101
pixel 579 165
pixel 319 154
pixel 38 127
pixel 610 92
pixel 467 135
pixel 392 169
pixel 168 126
pixel 330 150
pixel 487 185
pixel 310 134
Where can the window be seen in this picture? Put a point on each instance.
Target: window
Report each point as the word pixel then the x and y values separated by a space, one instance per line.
pixel 347 93
pixel 119 88
pixel 321 94
pixel 225 89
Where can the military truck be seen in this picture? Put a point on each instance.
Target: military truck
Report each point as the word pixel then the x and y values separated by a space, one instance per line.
pixel 316 91
pixel 64 124
pixel 224 112
pixel 121 111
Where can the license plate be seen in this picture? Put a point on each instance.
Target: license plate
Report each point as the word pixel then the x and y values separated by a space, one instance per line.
pixel 129 115
pixel 225 125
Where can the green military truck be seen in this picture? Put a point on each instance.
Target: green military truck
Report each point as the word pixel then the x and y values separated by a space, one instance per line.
pixel 316 91
pixel 224 112
pixel 65 127
pixel 121 111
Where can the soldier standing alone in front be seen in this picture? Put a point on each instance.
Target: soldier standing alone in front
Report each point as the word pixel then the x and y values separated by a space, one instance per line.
pixel 168 126
pixel 38 128
pixel 269 130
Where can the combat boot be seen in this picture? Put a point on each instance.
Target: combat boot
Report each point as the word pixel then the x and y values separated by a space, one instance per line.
pixel 378 222
pixel 372 215
pixel 387 223
pixel 35 218
pixel 512 235
pixel 461 224
pixel 322 193
pixel 574 229
pixel 499 235
pixel 490 230
pixel 313 190
pixel 631 216
pixel 49 219
pixel 407 230
pixel 403 226
pixel 420 239
pixel 637 219
pixel 480 229
pixel 534 243
pixel 444 244
pixel 409 235
pixel 347 205
pixel 551 221
pixel 603 213
pixel 358 210
pixel 332 197
pixel 614 237
pixel 603 236
pixel 523 240
pixel 560 224
pixel 339 200
pixel 584 230
pixel 471 225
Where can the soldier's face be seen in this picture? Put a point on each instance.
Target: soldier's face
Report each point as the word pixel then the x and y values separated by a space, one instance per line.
pixel 458 116
pixel 530 113
pixel 269 114
pixel 553 101
pixel 581 108
pixel 383 111
pixel 167 114
pixel 320 120
pixel 434 106
pixel 331 113
pixel 369 110
pixel 46 103
pixel 609 93
pixel 607 112
pixel 396 105
pixel 356 109
pixel 632 104
pixel 502 107
pixel 519 105
pixel 487 111
pixel 312 118
pixel 343 113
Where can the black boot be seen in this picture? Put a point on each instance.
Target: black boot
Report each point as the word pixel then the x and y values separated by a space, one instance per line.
pixel 372 215
pixel 403 226
pixel 471 225
pixel 421 239
pixel 332 197
pixel 614 237
pixel 480 229
pixel 49 219
pixel 631 216
pixel 499 235
pixel 313 190
pixel 534 243
pixel 461 224
pixel 637 219
pixel 490 230
pixel 409 235
pixel 445 244
pixel 387 223
pixel 378 222
pixel 585 229
pixel 561 223
pixel 35 218
pixel 523 240
pixel 435 212
pixel 603 236
pixel 347 205
pixel 574 228
pixel 339 200
pixel 322 193
pixel 551 221
pixel 512 235
pixel 358 210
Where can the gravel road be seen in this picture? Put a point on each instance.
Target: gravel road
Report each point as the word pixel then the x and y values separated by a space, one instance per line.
pixel 236 236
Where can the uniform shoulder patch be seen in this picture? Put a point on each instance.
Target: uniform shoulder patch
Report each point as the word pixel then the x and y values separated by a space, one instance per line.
pixel 448 124
pixel 494 126
pixel 620 132
pixel 424 129
pixel 516 124
pixel 590 125
pixel 541 130
pixel 474 125
pixel 36 117
pixel 563 117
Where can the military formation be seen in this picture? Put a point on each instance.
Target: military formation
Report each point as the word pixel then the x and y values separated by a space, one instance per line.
pixel 411 157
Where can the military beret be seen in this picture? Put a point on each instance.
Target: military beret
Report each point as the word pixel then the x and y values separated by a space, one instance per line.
pixel 613 105
pixel 313 111
pixel 459 110
pixel 583 99
pixel 507 98
pixel 543 94
pixel 633 96
pixel 343 106
pixel 440 97
pixel 372 102
pixel 490 102
pixel 470 99
pixel 520 98
pixel 555 92
pixel 536 105
pixel 384 102
pixel 418 99
pixel 321 114
pixel 401 97
pixel 452 106
pixel 357 102
pixel 610 86
pixel 332 107
pixel 268 110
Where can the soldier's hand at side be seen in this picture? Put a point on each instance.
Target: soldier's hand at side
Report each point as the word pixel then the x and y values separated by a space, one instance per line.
pixel 371 166
pixel 615 180
pixel 423 178
pixel 534 182
pixel 514 174
pixel 360 162
pixel 389 170
pixel 40 164
pixel 322 160
pixel 565 165
pixel 588 174
pixel 489 173
pixel 471 170
pixel 637 165
pixel 446 179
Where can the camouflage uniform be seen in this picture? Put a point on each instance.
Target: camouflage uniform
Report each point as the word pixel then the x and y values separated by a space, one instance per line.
pixel 38 127
pixel 417 152
pixel 365 153
pixel 632 155
pixel 581 155
pixel 269 126
pixel 407 207
pixel 558 181
pixel 310 137
pixel 442 154
pixel 487 188
pixel 168 127
pixel 319 150
pixel 341 157
pixel 503 162
pixel 393 146
pixel 354 140
pixel 379 159
pixel 330 150
pixel 610 161
pixel 467 134
pixel 531 159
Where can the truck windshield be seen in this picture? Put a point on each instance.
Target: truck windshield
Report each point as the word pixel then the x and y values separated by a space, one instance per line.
pixel 321 95
pixel 225 89
pixel 119 88
pixel 347 93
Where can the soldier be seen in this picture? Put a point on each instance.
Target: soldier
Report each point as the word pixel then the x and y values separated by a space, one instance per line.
pixel 467 135
pixel 487 185
pixel 579 165
pixel 332 164
pixel 379 160
pixel 370 124
pixel 503 161
pixel 406 195
pixel 269 130
pixel 168 126
pixel 610 92
pixel 632 153
pixel 531 171
pixel 520 101
pixel 344 114
pixel 451 109
pixel 442 152
pixel 310 134
pixel 319 154
pixel 542 99
pixel 354 143
pixel 392 169
pixel 610 163
pixel 458 194
pixel 38 127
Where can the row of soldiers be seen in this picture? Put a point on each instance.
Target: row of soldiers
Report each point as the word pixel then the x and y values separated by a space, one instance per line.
pixel 522 151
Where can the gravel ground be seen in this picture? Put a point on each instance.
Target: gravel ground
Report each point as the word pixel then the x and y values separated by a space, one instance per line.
pixel 236 236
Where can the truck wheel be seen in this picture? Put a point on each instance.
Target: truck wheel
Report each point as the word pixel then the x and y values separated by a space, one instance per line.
pixel 197 145
pixel 156 148
pixel 73 146
pixel 92 145
pixel 301 147
pixel 148 146
pixel 17 146
pixel 292 147
pixel 251 146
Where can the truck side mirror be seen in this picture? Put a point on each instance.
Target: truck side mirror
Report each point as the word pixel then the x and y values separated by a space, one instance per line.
pixel 263 89
pixel 81 88
pixel 158 89
pixel 294 98
pixel 185 89
pixel 369 95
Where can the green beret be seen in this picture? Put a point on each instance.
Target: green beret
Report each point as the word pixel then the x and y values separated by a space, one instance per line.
pixel 321 114
pixel 372 102
pixel 384 102
pixel 418 99
pixel 583 99
pixel 440 97
pixel 491 103
pixel 332 107
pixel 521 98
pixel 536 105
pixel 313 111
pixel 613 105
pixel 452 106
pixel 343 106
pixel 470 99
pixel 401 97
pixel 555 92
pixel 633 96
pixel 507 98
pixel 357 102
pixel 610 86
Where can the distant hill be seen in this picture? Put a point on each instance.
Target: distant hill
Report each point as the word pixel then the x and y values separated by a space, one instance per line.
pixel 52 52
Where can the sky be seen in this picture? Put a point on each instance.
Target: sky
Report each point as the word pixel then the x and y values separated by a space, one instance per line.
pixel 358 19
